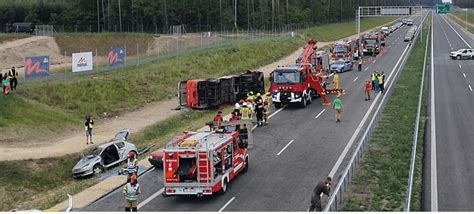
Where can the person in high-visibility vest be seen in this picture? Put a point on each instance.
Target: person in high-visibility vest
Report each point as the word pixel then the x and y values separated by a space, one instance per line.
pixel 336 80
pixel 131 190
pixel 381 78
pixel 360 64
pixel 338 107
pixel 88 125
pixel 374 77
pixel 246 112
pixel 266 106
pixel 6 84
pixel 12 76
pixel 259 108
pixel 368 88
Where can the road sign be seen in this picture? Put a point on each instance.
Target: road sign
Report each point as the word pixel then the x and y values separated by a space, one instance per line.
pixel 443 8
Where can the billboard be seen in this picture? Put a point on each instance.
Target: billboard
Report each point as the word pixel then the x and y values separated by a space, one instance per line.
pixel 443 8
pixel 82 62
pixel 116 57
pixel 36 66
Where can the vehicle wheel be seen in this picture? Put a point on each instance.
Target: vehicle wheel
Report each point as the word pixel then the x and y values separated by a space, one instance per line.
pixel 246 167
pixel 224 187
pixel 97 169
pixel 458 57
pixel 277 105
pixel 303 102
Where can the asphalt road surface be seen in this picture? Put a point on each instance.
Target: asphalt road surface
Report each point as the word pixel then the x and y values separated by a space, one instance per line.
pixel 452 166
pixel 281 182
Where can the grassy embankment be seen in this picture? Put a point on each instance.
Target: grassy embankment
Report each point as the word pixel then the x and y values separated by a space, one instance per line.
pixel 56 181
pixel 381 180
pixel 459 13
pixel 7 37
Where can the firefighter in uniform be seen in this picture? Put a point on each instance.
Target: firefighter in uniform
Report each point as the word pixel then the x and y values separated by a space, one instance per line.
pixel 259 109
pixel 374 77
pixel 132 165
pixel 360 64
pixel 335 80
pixel 217 120
pixel 246 112
pixel 266 107
pixel 381 78
pixel 131 190
pixel 322 187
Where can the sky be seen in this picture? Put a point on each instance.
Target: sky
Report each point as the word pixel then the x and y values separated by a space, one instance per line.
pixel 449 1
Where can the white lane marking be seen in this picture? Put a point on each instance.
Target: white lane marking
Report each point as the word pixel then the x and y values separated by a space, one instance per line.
pixel 277 111
pixel 226 204
pixel 459 66
pixel 374 61
pixel 470 88
pixel 331 74
pixel 434 173
pixel 442 17
pixel 366 69
pixel 285 147
pixel 464 75
pixel 366 116
pixel 320 114
pixel 146 201
pixel 355 79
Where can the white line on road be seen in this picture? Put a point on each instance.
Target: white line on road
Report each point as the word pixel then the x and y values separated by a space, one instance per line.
pixel 374 61
pixel 366 116
pixel 459 66
pixel 470 88
pixel 227 204
pixel 366 69
pixel 442 17
pixel 355 79
pixel 146 201
pixel 434 176
pixel 285 147
pixel 320 114
pixel 277 111
pixel 331 74
pixel 464 75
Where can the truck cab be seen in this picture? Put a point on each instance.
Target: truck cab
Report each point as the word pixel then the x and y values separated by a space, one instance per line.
pixel 289 86
pixel 371 45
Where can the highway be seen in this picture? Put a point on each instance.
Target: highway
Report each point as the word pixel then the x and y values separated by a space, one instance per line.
pixel 452 167
pixel 299 148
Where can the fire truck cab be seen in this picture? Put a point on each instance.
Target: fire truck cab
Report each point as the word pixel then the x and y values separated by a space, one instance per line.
pixel 342 50
pixel 203 163
pixel 371 44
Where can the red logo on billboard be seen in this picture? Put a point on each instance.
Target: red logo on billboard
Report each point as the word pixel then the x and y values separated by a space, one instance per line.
pixel 31 68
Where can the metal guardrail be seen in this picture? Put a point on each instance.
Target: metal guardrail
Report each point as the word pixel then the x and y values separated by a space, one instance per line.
pixel 415 136
pixel 337 197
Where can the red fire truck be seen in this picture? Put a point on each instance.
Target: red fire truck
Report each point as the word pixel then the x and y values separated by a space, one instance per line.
pixel 371 44
pixel 342 50
pixel 299 83
pixel 203 163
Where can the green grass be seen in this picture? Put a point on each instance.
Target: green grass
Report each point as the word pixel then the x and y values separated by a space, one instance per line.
pixel 19 119
pixel 133 87
pixel 7 37
pixel 462 15
pixel 43 183
pixel 76 42
pixel 337 31
pixel 380 183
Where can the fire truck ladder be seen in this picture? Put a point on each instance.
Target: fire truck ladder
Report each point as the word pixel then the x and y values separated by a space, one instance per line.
pixel 203 170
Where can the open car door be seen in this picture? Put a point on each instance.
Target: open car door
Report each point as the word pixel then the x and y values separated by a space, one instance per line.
pixel 122 135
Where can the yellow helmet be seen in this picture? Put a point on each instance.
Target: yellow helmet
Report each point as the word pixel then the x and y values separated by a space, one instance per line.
pixel 258 94
pixel 268 93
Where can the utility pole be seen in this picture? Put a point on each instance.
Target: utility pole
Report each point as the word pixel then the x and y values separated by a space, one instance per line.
pixel 220 13
pixel 273 15
pixel 286 11
pixel 98 17
pixel 120 16
pixel 235 14
pixel 248 15
pixel 103 15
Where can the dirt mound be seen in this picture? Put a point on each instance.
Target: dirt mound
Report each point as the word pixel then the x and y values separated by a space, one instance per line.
pixel 13 53
pixel 166 43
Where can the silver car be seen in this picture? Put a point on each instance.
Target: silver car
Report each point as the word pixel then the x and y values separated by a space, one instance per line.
pixel 104 156
pixel 462 54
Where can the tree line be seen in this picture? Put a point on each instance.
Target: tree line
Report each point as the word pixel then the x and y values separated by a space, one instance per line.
pixel 464 3
pixel 196 15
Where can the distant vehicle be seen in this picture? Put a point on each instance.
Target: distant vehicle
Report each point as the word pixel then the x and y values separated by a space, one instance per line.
pixel 20 27
pixel 156 158
pixel 404 21
pixel 393 28
pixel 462 54
pixel 385 30
pixel 409 22
pixel 105 156
pixel 342 50
pixel 371 44
pixel 409 36
pixel 399 24
pixel 341 66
